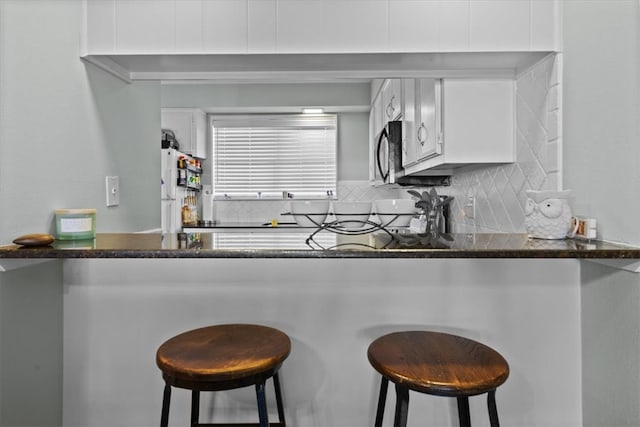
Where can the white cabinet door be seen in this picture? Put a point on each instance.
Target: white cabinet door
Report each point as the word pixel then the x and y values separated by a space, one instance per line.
pixel 375 126
pixel 409 141
pixel 500 25
pixel 478 117
pixel 225 26
pixel 189 127
pixel 145 26
pixel 392 100
pixel 427 131
pixel 477 124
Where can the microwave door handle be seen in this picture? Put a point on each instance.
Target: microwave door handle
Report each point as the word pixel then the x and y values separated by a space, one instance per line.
pixel 382 136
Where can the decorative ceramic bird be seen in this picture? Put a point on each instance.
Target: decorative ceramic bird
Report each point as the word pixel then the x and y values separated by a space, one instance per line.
pixel 547 214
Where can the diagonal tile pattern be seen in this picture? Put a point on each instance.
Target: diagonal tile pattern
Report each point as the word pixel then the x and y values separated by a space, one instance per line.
pixel 500 191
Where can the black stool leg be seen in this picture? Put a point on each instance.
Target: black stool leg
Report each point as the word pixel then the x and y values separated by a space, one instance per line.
pixel 402 406
pixel 463 411
pixel 195 407
pixel 166 400
pixel 493 411
pixel 262 405
pixel 382 398
pixel 276 386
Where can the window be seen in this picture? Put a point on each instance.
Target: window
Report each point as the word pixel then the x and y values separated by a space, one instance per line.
pixel 266 155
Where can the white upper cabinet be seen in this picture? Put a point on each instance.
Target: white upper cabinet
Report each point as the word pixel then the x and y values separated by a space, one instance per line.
pixel 478 124
pixel 421 120
pixel 391 100
pixel 318 26
pixel 409 149
pixel 427 121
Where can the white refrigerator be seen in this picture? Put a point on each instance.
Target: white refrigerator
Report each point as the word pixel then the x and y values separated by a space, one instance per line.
pixel 180 190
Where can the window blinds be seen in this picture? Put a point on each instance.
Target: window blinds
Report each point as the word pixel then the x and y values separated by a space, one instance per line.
pixel 262 156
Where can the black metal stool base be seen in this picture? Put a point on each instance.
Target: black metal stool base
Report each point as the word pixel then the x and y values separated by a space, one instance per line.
pixel 402 407
pixel 195 405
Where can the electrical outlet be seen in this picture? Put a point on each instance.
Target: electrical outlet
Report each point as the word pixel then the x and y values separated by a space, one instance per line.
pixel 113 190
pixel 470 207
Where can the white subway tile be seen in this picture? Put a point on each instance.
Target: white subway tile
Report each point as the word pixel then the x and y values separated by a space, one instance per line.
pixel 553 125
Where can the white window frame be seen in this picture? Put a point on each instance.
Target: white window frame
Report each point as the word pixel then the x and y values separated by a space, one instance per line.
pixel 231 183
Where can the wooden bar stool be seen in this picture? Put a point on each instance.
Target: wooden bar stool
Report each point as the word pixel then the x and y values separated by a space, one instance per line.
pixel 223 357
pixel 438 364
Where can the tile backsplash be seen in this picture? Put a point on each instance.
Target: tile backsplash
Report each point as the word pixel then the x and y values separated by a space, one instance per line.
pixel 499 191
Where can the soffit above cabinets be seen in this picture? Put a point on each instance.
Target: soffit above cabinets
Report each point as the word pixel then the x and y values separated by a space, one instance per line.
pixel 272 68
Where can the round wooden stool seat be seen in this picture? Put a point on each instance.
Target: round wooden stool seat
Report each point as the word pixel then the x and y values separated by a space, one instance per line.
pixel 223 353
pixel 223 357
pixel 439 364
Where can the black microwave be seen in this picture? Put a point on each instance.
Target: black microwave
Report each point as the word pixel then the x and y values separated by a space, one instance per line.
pixel 388 161
pixel 389 153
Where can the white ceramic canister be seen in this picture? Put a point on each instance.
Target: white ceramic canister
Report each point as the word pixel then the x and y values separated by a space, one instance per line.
pixel 548 215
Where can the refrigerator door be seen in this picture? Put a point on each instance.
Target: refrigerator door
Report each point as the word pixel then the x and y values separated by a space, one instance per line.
pixel 171 219
pixel 169 174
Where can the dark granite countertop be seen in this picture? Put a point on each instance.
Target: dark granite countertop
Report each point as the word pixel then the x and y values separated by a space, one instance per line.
pixel 295 244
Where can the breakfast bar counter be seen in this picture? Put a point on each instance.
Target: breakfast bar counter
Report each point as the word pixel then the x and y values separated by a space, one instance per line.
pixel 96 311
pixel 307 244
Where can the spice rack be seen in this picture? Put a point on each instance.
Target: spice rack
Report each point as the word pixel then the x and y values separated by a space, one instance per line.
pixel 189 171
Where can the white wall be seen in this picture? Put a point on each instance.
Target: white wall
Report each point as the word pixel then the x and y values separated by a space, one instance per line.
pixel 602 113
pixel 65 125
pixel 332 309
pixel 602 166
pixel 31 346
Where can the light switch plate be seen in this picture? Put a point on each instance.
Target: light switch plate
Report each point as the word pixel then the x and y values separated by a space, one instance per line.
pixel 113 190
